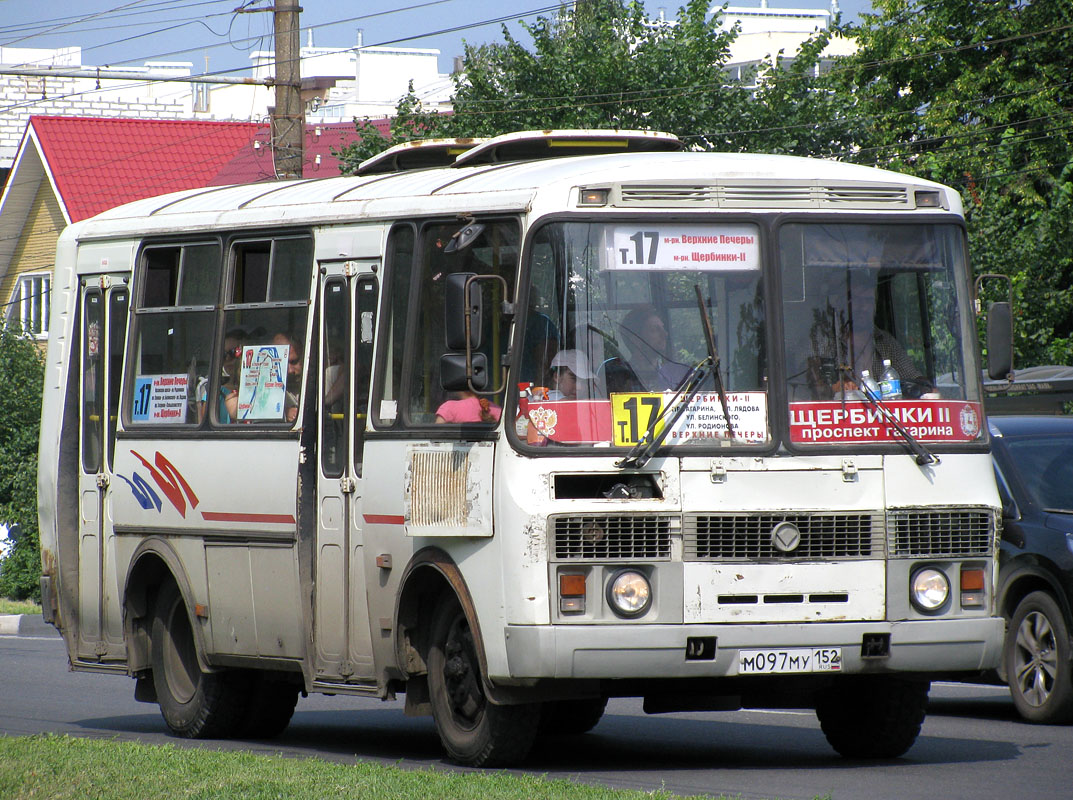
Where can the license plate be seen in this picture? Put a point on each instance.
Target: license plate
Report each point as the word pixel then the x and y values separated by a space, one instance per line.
pixel 798 659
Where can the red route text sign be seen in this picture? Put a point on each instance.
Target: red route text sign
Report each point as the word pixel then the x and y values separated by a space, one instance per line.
pixel 860 422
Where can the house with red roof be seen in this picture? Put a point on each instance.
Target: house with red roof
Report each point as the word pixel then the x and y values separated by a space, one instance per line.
pixel 70 168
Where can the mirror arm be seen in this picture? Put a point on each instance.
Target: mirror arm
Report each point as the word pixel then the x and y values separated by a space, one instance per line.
pixel 507 304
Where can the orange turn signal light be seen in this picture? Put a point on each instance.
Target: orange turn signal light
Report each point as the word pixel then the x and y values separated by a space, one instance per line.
pixel 571 585
pixel 972 580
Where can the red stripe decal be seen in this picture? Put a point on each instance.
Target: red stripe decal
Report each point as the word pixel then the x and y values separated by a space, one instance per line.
pixel 221 516
pixel 384 519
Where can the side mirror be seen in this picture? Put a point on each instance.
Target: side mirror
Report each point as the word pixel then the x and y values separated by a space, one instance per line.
pixel 453 375
pixel 999 341
pixel 462 303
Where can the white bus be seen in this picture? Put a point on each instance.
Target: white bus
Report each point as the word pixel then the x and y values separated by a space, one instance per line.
pixel 573 416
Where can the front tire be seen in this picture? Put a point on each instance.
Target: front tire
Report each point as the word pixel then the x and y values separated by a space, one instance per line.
pixel 474 731
pixel 1037 660
pixel 194 704
pixel 872 717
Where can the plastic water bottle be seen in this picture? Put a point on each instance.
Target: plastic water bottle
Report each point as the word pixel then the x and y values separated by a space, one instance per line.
pixel 890 383
pixel 869 385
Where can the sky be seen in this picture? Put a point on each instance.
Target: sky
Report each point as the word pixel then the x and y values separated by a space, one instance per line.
pixel 115 32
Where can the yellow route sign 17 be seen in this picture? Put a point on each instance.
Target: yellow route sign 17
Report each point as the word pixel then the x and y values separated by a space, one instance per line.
pixel 632 413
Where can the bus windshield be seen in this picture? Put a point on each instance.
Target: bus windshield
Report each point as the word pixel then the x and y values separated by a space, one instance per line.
pixel 614 327
pixel 872 309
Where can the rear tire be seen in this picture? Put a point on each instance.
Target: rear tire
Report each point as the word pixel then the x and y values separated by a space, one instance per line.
pixel 872 717
pixel 194 704
pixel 272 705
pixel 1037 660
pixel 474 731
pixel 571 717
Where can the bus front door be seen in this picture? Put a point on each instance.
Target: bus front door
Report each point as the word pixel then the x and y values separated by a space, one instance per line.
pixel 342 636
pixel 104 302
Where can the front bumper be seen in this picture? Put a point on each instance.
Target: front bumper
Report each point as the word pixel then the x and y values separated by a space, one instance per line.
pixel 659 651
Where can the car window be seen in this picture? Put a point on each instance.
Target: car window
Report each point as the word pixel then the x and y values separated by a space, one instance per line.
pixel 1045 465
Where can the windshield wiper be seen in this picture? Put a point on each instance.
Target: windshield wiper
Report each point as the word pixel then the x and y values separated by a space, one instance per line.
pixel 713 356
pixel 687 389
pixel 641 452
pixel 921 454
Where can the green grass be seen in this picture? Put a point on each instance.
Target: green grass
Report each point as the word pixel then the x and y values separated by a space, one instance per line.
pixel 68 768
pixel 18 607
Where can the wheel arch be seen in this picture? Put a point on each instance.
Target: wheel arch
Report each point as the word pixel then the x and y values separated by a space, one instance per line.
pixel 430 572
pixel 153 564
pixel 1024 580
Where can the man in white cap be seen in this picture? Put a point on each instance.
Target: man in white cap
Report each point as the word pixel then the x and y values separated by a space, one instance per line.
pixel 567 368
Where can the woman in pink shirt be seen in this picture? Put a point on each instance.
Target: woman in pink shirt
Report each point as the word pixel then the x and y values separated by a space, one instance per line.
pixel 469 408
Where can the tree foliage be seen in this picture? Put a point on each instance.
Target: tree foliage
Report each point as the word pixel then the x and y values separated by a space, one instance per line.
pixel 601 65
pixel 21 375
pixel 976 94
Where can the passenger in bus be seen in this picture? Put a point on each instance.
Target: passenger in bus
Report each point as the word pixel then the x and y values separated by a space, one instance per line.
pixel 649 367
pixel 845 340
pixel 227 391
pixel 294 374
pixel 539 345
pixel 571 376
pixel 468 407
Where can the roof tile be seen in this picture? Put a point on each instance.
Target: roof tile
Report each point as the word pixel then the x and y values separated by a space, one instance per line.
pixel 99 163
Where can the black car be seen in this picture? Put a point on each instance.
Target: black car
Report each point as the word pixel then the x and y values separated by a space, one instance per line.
pixel 1033 458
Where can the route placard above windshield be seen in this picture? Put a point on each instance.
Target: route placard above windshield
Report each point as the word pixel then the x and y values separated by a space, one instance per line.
pixel 683 247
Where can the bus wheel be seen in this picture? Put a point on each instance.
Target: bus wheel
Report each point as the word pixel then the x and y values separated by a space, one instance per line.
pixel 194 704
pixel 872 717
pixel 1037 661
pixel 272 705
pixel 474 732
pixel 567 717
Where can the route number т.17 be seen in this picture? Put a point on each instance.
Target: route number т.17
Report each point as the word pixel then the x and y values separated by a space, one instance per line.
pixel 639 254
pixel 631 415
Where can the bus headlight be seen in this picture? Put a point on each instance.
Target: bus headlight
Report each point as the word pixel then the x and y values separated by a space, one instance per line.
pixel 629 593
pixel 929 589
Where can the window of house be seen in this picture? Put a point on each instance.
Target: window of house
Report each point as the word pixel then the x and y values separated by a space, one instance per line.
pixel 29 303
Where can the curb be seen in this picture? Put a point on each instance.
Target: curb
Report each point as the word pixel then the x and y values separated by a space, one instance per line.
pixel 25 625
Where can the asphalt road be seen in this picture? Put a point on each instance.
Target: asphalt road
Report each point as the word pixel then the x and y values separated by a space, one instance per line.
pixel 972 745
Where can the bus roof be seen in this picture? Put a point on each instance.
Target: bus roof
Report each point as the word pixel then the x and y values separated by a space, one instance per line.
pixel 672 180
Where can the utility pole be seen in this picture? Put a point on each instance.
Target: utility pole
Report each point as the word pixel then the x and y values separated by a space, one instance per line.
pixel 288 119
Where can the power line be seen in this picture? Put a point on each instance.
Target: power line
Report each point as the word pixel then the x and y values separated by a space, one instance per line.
pixel 149 81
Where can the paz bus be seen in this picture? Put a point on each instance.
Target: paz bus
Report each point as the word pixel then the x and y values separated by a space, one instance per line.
pixel 515 426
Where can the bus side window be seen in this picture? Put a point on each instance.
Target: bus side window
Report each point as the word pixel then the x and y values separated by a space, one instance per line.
pixel 494 251
pixel 363 357
pixel 265 313
pixel 173 316
pixel 399 262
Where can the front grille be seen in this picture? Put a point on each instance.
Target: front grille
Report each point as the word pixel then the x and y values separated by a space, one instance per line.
pixel 744 537
pixel 595 536
pixel 951 532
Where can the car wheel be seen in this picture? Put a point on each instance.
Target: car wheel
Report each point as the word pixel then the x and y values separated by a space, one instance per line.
pixel 1037 663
